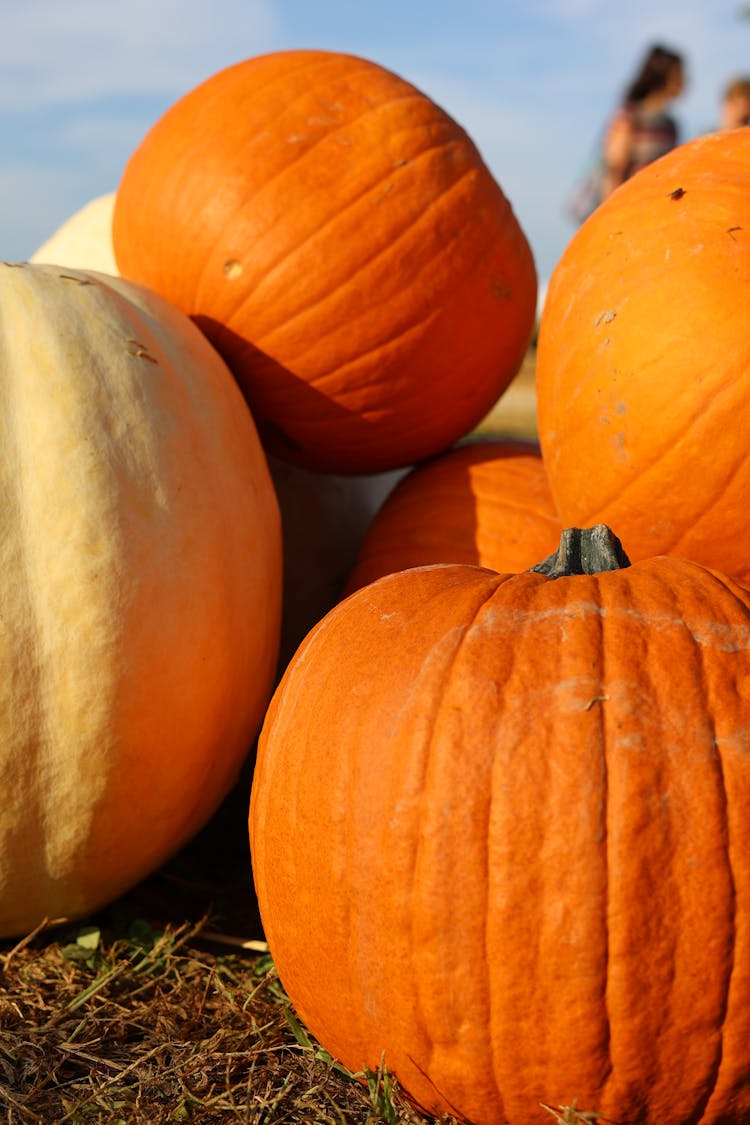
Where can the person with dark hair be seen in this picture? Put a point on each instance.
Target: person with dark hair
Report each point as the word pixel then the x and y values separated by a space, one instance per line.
pixel 639 131
pixel 642 130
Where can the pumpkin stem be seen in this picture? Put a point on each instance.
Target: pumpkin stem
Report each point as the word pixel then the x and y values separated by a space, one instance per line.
pixel 587 550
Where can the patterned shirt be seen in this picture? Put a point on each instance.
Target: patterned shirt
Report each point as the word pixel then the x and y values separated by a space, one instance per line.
pixel 654 135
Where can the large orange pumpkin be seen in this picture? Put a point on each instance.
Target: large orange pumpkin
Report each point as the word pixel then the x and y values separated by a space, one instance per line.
pixel 499 833
pixel 486 503
pixel 643 361
pixel 340 240
pixel 140 582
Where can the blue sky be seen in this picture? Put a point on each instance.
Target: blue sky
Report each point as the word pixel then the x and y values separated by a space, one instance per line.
pixel 81 81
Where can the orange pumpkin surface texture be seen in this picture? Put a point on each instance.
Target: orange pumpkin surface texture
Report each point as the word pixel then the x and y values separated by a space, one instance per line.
pixel 340 240
pixel 499 833
pixel 643 361
pixel 486 503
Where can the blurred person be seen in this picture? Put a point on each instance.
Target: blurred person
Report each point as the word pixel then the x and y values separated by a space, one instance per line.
pixel 639 131
pixel 642 130
pixel 735 104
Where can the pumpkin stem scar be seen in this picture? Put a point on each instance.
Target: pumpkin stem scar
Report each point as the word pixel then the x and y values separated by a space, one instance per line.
pixel 588 550
pixel 596 699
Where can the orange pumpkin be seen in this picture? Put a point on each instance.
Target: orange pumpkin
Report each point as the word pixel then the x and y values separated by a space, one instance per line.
pixel 643 361
pixel 486 503
pixel 340 240
pixel 499 834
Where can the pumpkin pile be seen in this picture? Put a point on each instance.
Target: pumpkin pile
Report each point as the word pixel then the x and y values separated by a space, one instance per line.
pixel 306 282
pixel 498 819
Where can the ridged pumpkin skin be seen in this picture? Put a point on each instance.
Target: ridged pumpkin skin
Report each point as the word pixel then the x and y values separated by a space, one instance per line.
pixel 643 360
pixel 486 503
pixel 499 832
pixel 84 241
pixel 139 587
pixel 341 242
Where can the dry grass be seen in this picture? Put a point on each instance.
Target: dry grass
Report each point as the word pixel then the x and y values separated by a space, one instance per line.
pixel 152 1012
pixel 154 1027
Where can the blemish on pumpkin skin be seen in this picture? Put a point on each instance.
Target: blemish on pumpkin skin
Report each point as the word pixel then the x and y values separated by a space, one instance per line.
pixel 232 268
pixel 500 290
pixel 140 351
pixel 617 444
pixel 605 317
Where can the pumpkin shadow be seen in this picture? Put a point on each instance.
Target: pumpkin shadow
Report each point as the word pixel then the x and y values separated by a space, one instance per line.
pixel 210 877
pixel 265 384
pixel 324 519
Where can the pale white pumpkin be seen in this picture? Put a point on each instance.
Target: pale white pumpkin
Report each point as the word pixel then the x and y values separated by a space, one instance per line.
pixel 140 587
pixel 324 515
pixel 84 241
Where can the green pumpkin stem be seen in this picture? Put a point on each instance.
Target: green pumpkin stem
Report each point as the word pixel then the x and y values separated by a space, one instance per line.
pixel 587 550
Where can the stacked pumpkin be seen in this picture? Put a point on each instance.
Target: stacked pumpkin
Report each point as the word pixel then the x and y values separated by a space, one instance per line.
pixel 643 361
pixel 497 823
pixel 341 242
pixel 331 233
